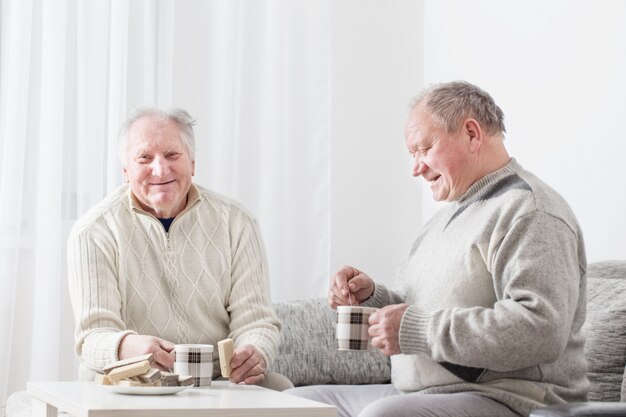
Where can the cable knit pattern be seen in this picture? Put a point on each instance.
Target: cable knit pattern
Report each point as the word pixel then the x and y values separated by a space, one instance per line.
pixel 202 282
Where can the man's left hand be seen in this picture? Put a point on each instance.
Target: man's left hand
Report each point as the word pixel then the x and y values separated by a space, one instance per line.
pixel 385 328
pixel 248 366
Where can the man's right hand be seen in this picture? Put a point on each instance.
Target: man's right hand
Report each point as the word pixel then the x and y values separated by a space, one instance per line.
pixel 349 284
pixel 136 344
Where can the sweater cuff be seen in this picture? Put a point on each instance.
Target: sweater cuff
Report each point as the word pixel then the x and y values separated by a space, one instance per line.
pixel 266 360
pixel 377 298
pixel 121 335
pixel 101 348
pixel 413 331
pixel 266 343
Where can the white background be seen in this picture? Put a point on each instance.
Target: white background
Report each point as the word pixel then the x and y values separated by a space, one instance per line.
pixel 555 67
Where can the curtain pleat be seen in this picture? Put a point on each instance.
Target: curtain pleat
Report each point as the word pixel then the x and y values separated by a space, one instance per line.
pixel 255 75
pixel 17 234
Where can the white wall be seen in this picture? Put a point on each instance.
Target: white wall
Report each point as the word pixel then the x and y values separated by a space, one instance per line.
pixel 377 49
pixel 375 70
pixel 557 69
pixel 256 75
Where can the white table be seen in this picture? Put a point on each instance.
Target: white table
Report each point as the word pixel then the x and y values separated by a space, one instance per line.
pixel 83 399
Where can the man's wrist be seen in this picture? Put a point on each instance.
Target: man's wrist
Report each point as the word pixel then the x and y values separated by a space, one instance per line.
pixel 371 294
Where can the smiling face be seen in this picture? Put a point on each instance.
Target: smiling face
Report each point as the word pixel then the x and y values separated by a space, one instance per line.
pixel 441 158
pixel 159 167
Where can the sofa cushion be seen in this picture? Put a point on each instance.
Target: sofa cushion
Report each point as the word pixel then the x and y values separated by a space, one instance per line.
pixel 308 352
pixel 605 328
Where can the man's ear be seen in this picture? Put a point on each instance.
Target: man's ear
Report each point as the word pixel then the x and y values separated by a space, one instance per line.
pixel 193 167
pixel 125 174
pixel 474 134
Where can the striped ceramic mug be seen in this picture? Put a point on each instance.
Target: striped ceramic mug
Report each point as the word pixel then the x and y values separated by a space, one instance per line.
pixel 352 326
pixel 195 360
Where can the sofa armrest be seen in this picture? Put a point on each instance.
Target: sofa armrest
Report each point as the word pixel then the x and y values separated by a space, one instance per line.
pixel 588 409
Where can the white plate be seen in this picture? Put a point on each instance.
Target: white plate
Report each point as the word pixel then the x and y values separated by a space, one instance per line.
pixel 145 390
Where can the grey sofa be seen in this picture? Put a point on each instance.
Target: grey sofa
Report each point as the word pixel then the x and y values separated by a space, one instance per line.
pixel 308 353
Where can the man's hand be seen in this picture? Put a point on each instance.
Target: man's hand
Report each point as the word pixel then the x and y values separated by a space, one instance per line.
pixel 349 286
pixel 136 344
pixel 385 328
pixel 248 366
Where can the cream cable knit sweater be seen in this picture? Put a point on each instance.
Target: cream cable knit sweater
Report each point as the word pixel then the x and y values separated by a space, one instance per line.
pixel 202 282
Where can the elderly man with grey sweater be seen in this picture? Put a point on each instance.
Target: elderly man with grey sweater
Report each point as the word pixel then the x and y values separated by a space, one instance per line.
pixel 486 313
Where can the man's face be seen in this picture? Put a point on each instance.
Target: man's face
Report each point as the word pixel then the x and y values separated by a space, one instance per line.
pixel 159 167
pixel 441 158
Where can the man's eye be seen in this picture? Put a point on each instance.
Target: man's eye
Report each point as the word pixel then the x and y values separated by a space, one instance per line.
pixel 173 155
pixel 143 158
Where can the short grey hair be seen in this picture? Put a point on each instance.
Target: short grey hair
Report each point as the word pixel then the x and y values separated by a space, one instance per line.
pixel 179 116
pixel 451 103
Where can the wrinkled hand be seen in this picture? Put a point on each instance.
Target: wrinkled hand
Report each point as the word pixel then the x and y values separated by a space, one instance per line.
pixel 385 328
pixel 137 344
pixel 248 366
pixel 349 284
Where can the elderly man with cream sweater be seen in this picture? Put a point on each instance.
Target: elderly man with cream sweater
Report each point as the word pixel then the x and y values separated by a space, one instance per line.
pixel 162 261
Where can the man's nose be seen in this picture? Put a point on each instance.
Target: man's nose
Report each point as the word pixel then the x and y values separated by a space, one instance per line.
pixel 418 166
pixel 160 166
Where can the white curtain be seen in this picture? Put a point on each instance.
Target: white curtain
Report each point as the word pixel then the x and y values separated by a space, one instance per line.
pixel 255 75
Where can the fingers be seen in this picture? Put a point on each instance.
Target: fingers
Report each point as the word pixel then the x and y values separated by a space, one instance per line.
pixel 385 328
pixel 383 342
pixel 384 346
pixel 163 357
pixel 135 345
pixel 163 360
pixel 338 289
pixel 339 292
pixel 248 366
pixel 334 301
pixel 254 380
pixel 349 286
pixel 254 373
pixel 373 319
pixel 166 345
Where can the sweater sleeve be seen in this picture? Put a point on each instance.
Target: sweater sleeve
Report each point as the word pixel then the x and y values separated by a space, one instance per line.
pixel 252 317
pixel 536 274
pixel 96 298
pixel 383 296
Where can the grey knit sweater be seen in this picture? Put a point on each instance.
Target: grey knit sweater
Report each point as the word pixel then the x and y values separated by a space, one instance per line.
pixel 202 282
pixel 497 291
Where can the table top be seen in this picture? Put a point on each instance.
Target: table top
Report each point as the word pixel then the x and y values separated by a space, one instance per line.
pixel 87 399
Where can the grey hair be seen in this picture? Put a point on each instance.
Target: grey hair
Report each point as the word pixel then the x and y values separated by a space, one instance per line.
pixel 451 103
pixel 179 116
